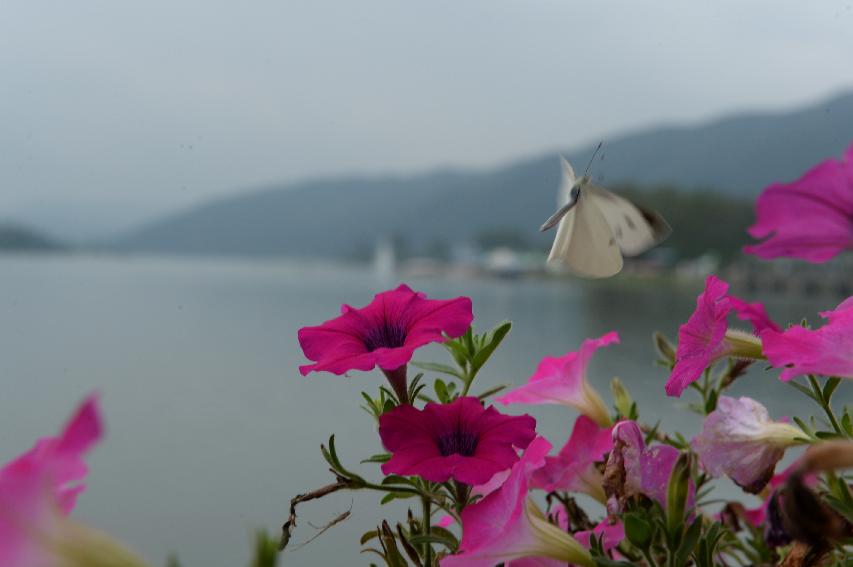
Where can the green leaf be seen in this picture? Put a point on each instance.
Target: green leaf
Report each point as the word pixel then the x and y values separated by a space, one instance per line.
pixel 458 351
pixel 434 538
pixel 676 495
pixel 804 390
pixel 689 542
pixel 847 423
pixel 468 342
pixel 440 368
pixel 492 341
pixel 396 496
pixel 830 387
pixel 492 391
pixel 806 429
pixel 367 536
pixel 397 479
pixel 441 390
pixel 638 531
pixel 622 400
pixel 378 458
pixel 711 402
pixel 266 551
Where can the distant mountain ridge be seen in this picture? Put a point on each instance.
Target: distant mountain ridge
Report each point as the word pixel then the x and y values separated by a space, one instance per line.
pixel 17 238
pixel 345 217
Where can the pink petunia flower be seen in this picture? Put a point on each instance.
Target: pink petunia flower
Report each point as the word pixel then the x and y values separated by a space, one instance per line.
pixel 37 491
pixel 811 218
pixel 633 469
pixel 827 350
pixel 384 333
pixel 706 338
pixel 508 527
pixel 575 468
pixel 460 440
pixel 739 440
pixel 755 313
pixel 562 380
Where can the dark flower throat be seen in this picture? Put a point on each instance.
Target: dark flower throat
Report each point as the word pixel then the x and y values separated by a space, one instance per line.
pixel 387 335
pixel 457 443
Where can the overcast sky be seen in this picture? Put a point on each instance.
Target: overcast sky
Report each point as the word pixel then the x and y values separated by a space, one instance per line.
pixel 113 112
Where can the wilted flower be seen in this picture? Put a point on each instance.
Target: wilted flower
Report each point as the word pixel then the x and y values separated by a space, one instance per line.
pixel 706 338
pixel 507 526
pixel 757 516
pixel 384 333
pixel 562 380
pixel 811 218
pixel 575 468
pixel 827 350
pixel 633 469
pixel 740 440
pixel 460 440
pixel 39 488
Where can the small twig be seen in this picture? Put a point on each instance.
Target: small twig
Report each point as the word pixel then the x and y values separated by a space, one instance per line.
pixel 290 524
pixel 323 529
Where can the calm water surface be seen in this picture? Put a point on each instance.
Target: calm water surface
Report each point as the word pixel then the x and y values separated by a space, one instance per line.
pixel 211 429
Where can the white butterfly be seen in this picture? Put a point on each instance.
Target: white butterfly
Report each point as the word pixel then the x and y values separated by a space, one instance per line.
pixel 598 227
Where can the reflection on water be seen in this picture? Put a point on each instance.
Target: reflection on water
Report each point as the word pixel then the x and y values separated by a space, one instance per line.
pixel 212 429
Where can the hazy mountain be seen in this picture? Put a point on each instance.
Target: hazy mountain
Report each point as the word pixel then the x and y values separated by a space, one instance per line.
pixel 18 238
pixel 736 156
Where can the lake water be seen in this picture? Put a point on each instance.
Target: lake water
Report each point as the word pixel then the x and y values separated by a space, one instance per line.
pixel 211 429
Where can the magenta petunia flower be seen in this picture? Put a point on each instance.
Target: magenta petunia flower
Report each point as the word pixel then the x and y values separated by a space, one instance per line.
pixel 37 491
pixel 508 527
pixel 706 338
pixel 562 380
pixel 384 333
pixel 755 313
pixel 575 468
pixel 827 350
pixel 633 469
pixel 811 218
pixel 739 440
pixel 460 440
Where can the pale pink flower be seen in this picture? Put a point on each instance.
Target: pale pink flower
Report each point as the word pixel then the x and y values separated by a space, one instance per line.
pixel 508 527
pixel 575 468
pixel 739 440
pixel 827 350
pixel 811 218
pixel 563 380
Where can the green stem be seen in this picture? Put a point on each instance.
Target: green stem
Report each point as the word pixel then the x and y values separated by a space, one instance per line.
pixel 649 559
pixel 427 524
pixel 827 407
pixel 468 381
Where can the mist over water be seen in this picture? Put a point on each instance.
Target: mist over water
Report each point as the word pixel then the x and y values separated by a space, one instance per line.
pixel 211 429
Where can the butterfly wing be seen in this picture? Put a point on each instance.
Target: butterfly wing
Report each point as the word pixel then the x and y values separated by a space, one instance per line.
pixel 584 241
pixel 635 228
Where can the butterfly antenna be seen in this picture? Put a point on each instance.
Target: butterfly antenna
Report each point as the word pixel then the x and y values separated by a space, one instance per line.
pixel 592 158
